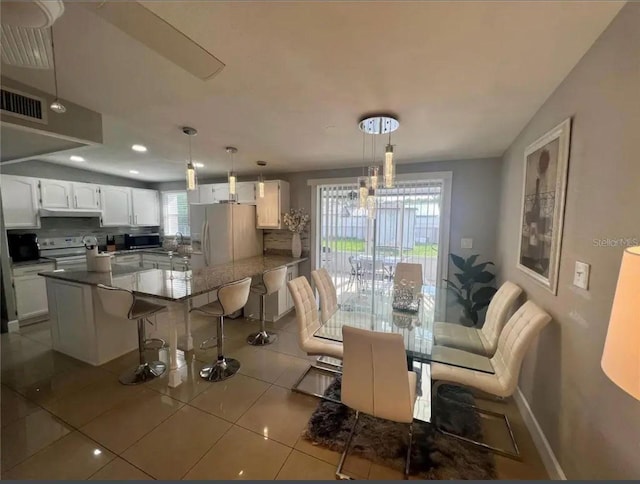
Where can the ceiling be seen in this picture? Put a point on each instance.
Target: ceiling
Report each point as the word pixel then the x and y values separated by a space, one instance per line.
pixel 463 77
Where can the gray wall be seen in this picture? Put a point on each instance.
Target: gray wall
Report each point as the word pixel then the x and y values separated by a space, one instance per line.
pixel 43 169
pixel 474 199
pixel 592 425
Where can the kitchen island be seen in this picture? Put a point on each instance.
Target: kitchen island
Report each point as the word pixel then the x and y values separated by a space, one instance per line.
pixel 82 329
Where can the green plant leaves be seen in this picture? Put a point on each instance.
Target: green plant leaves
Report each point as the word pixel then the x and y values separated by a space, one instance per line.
pixel 484 294
pixel 484 277
pixel 458 261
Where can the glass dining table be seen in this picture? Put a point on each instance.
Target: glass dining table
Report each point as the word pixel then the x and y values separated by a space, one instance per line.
pixel 375 311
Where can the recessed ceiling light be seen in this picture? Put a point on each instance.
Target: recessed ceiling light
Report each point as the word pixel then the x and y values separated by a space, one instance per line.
pixel 139 148
pixel 197 164
pixel 134 172
pixel 76 158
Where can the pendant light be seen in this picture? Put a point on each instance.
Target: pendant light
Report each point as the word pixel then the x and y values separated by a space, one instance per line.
pixel 192 176
pixel 56 106
pixel 373 177
pixel 383 124
pixel 233 178
pixel 371 203
pixel 363 189
pixel 389 169
pixel 261 179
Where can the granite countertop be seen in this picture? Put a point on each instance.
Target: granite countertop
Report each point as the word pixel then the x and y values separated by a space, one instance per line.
pixel 33 262
pixel 172 285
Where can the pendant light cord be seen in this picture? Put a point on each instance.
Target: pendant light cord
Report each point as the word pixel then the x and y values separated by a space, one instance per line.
pixel 55 70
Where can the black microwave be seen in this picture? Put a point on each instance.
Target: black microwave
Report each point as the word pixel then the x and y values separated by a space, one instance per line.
pixel 141 241
pixel 23 247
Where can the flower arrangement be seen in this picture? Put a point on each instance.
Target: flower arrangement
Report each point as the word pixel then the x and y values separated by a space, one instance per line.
pixel 296 220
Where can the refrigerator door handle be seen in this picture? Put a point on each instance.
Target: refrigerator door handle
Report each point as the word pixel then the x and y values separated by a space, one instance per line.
pixel 205 241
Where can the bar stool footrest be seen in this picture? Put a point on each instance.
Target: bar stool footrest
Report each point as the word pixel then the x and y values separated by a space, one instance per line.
pixel 143 373
pixel 220 370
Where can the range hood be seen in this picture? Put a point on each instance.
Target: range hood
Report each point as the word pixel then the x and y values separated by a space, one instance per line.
pixel 65 212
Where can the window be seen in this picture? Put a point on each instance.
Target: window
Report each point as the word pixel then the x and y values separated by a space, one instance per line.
pixel 175 213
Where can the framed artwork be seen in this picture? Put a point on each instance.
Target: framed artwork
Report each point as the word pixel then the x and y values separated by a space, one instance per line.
pixel 546 163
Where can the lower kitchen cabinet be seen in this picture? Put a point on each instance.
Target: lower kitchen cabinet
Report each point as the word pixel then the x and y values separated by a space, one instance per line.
pixel 31 291
pixel 277 304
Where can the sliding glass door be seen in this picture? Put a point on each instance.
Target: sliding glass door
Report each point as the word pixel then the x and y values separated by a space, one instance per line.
pixel 410 224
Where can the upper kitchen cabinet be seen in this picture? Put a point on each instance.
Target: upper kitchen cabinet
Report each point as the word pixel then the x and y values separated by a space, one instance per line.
pixel 246 193
pixel 146 207
pixel 116 206
pixel 56 194
pixel 214 193
pixel 86 196
pixel 269 209
pixel 20 202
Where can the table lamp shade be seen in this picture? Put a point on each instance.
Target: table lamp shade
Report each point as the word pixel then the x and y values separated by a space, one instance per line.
pixel 621 356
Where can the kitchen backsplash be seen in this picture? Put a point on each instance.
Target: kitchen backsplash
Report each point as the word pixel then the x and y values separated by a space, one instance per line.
pixel 280 240
pixel 77 227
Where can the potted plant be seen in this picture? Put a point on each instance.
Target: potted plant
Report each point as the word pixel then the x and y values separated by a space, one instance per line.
pixel 470 290
pixel 296 220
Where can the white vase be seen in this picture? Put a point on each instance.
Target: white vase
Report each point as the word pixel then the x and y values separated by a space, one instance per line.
pixel 296 245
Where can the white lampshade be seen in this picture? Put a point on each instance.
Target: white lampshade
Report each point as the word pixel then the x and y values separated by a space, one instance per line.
pixel 621 356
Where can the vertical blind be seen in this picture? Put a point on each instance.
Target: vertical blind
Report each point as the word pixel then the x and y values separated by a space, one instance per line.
pixel 361 253
pixel 175 213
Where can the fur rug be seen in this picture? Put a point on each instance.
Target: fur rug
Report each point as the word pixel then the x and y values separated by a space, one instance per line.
pixel 433 455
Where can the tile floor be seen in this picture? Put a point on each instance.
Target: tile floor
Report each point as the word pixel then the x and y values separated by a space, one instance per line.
pixel 63 419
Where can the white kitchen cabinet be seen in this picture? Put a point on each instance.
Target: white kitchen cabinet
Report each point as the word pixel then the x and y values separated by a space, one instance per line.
pixel 246 193
pixel 277 304
pixel 86 196
pixel 163 261
pixel 220 192
pixel 206 194
pixel 20 202
pixel 146 207
pixel 116 206
pixel 193 196
pixel 31 290
pixel 269 209
pixel 56 194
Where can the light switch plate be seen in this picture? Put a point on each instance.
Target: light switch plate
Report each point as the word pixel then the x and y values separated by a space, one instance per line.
pixel 581 275
pixel 466 243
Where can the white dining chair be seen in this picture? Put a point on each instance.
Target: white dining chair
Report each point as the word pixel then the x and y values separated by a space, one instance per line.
pixel 231 298
pixel 272 281
pixel 327 292
pixel 308 323
pixel 375 381
pixel 123 304
pixel 514 341
pixel 483 341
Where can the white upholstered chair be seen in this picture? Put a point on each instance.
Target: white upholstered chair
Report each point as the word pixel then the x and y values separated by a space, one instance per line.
pixel 231 298
pixel 327 292
pixel 514 341
pixel 272 281
pixel 408 272
pixel 483 341
pixel 308 322
pixel 123 304
pixel 375 381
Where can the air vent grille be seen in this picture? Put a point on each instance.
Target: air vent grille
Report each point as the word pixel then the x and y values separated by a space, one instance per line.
pixel 18 104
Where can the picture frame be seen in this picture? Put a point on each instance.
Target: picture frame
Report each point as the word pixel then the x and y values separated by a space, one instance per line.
pixel 544 187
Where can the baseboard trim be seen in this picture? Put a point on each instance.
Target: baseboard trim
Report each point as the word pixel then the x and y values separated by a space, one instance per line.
pixel 539 439
pixel 13 326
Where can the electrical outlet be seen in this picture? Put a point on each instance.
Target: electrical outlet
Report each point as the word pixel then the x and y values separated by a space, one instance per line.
pixel 581 275
pixel 466 243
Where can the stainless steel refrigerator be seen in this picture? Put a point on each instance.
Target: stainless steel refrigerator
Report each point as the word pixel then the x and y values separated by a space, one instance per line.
pixel 223 232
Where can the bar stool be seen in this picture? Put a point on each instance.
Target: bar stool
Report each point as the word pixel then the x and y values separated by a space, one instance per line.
pixel 123 304
pixel 272 281
pixel 231 298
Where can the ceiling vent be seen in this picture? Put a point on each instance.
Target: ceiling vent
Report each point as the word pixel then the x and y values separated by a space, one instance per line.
pixel 20 105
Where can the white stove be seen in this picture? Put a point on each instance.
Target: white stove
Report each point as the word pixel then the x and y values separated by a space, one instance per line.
pixel 67 252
